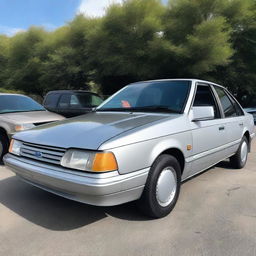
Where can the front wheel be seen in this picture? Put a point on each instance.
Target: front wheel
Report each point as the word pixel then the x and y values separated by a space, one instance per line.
pixel 239 160
pixel 162 188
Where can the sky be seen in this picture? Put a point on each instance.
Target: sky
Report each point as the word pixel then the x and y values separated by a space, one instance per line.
pixel 19 15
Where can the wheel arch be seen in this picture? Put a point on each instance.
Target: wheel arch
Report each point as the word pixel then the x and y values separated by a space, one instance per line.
pixel 175 146
pixel 2 130
pixel 178 154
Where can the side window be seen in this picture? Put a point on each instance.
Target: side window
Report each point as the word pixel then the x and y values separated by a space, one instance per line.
pixel 74 102
pixel 227 105
pixel 51 100
pixel 204 97
pixel 96 101
pixel 64 101
pixel 239 111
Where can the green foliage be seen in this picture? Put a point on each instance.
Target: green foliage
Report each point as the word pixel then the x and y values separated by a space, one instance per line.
pixel 208 46
pixel 138 40
pixel 4 90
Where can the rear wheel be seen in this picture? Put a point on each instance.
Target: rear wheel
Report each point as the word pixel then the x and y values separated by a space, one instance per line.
pixel 3 145
pixel 162 188
pixel 239 160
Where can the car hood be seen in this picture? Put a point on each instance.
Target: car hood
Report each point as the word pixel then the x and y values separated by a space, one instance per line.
pixel 32 117
pixel 87 131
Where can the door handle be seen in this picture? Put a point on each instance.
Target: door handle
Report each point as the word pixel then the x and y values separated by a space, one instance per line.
pixel 222 128
pixel 241 124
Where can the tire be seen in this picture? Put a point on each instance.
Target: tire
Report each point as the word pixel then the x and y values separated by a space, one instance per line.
pixel 162 188
pixel 238 161
pixel 4 143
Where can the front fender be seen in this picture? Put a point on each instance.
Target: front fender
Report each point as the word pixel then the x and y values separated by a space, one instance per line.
pixel 142 155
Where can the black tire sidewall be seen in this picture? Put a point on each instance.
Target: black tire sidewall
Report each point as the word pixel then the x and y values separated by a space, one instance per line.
pixel 163 161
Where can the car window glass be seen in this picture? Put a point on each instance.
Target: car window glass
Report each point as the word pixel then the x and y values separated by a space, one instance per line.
pixel 51 100
pixel 96 101
pixel 205 97
pixel 228 107
pixel 18 103
pixel 89 100
pixel 64 101
pixel 238 109
pixel 170 95
pixel 74 102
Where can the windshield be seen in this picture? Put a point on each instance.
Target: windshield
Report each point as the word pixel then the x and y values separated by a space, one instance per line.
pixel 157 96
pixel 86 100
pixel 18 103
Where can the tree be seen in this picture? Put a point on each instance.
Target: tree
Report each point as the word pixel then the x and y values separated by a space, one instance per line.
pixel 66 66
pixel 138 40
pixel 121 47
pixel 239 76
pixel 24 64
pixel 201 37
pixel 4 52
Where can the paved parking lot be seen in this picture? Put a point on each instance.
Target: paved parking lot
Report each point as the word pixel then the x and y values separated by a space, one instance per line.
pixel 215 215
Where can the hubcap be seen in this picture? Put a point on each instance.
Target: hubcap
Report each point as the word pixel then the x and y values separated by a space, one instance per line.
pixel 166 186
pixel 244 152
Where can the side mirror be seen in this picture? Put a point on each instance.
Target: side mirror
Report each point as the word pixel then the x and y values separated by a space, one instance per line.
pixel 202 113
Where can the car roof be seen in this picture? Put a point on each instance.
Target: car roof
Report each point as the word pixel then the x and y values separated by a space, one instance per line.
pixel 11 94
pixel 71 91
pixel 181 79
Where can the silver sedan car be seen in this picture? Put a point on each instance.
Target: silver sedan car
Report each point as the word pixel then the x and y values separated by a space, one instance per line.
pixel 19 113
pixel 140 144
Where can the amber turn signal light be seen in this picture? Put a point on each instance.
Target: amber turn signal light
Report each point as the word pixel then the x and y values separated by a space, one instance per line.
pixel 104 162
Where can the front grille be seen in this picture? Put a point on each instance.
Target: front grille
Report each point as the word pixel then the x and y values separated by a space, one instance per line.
pixel 42 153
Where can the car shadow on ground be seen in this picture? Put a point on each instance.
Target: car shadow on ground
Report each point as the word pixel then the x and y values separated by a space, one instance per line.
pixel 56 213
pixel 224 165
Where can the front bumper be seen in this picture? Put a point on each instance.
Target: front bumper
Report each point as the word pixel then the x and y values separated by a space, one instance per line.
pixel 104 189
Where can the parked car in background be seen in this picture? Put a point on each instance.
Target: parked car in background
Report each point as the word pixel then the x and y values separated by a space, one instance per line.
pixel 71 103
pixel 18 113
pixel 251 111
pixel 140 144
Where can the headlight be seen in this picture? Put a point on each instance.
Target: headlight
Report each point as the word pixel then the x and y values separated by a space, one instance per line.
pixel 89 161
pixel 15 147
pixel 22 127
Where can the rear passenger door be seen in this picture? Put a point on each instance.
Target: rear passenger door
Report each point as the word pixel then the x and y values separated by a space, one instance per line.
pixel 234 117
pixel 209 136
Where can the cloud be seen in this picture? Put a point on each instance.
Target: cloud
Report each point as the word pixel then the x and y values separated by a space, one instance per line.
pixel 9 31
pixel 95 8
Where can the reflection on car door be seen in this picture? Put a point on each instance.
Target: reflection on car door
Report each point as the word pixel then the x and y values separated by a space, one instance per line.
pixel 209 137
pixel 234 117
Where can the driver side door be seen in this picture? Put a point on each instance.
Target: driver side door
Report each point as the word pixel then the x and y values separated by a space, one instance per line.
pixel 209 136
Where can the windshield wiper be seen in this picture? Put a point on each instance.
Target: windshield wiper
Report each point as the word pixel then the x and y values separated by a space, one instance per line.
pixel 113 109
pixel 156 108
pixel 153 108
